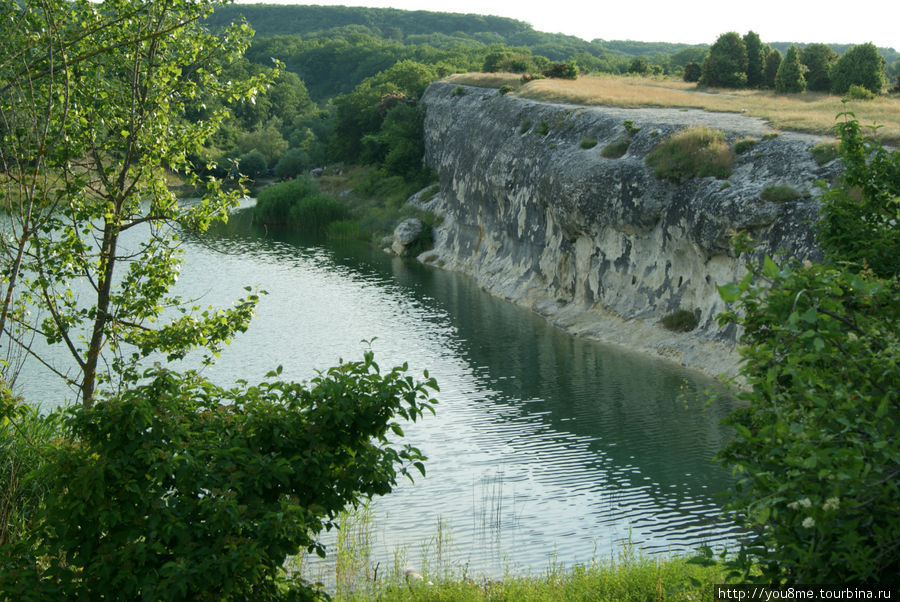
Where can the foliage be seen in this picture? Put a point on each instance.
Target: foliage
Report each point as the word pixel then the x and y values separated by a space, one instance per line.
pixel 565 70
pixel 253 164
pixel 617 149
pixel 505 89
pixel 179 489
pixel 825 152
pixel 692 72
pixel 818 59
pixel 587 143
pixel 816 445
pixel 857 92
pixel 693 152
pixel 756 59
pixel 682 320
pixel 293 163
pixel 860 215
pixel 779 193
pixel 790 78
pixel 23 431
pixel 861 65
pixel 266 140
pixel 745 144
pixel 525 126
pixel 726 64
pixel 543 128
pixel 639 66
pixel 773 62
pixel 128 71
pixel 298 203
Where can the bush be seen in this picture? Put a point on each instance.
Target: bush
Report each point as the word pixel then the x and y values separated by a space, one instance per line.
pixel 458 91
pixel 23 434
pixel 506 89
pixel 773 62
pixel 862 65
pixel 816 445
pixel 293 163
pixel 856 92
pixel 253 164
pixel 587 143
pixel 178 489
pixel 543 128
pixel 859 216
pixel 694 152
pixel 744 144
pixel 682 320
pixel 567 70
pixel 789 78
pixel 692 72
pixel 617 149
pixel 818 60
pixel 526 125
pixel 825 152
pixel 816 442
pixel 779 194
pixel 298 204
pixel 726 63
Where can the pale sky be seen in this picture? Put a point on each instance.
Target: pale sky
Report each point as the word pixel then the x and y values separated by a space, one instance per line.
pixel 688 21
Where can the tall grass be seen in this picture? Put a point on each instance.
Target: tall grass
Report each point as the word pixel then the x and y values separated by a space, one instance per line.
pixel 696 151
pixel 22 438
pixel 812 112
pixel 629 576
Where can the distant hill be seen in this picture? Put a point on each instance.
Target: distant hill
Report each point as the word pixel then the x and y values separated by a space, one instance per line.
pixel 437 29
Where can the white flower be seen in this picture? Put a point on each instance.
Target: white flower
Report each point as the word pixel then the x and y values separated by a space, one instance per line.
pixel 805 503
pixel 808 522
pixel 807 263
pixel 831 503
pixel 851 336
pixel 793 505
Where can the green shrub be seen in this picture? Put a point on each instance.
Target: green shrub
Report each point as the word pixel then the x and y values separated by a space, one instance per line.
pixel 862 65
pixel 587 143
pixel 298 204
pixel 825 152
pixel 726 64
pixel 615 150
pixel 506 89
pixel 744 144
pixel 694 152
pixel 566 70
pixel 526 125
pixel 458 91
pixel 293 163
pixel 859 216
pixel 815 441
pixel 692 72
pixel 779 194
pixel 543 128
pixel 24 432
pixel 857 92
pixel 180 490
pixel 630 128
pixel 789 78
pixel 253 164
pixel 771 136
pixel 682 320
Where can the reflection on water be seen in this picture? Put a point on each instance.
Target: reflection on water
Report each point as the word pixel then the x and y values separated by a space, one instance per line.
pixel 543 442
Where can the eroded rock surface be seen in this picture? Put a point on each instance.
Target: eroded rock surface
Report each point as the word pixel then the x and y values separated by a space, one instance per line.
pixel 602 246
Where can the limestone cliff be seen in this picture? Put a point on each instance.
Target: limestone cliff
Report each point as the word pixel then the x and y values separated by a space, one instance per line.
pixel 602 246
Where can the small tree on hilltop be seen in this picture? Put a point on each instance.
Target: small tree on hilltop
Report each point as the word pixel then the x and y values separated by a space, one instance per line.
pixel 818 59
pixel 726 65
pixel 773 62
pixel 862 65
pixel 692 72
pixel 756 59
pixel 789 78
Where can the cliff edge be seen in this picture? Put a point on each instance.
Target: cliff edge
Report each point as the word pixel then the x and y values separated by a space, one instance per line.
pixel 601 246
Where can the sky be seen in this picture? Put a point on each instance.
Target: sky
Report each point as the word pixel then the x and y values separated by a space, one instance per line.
pixel 687 21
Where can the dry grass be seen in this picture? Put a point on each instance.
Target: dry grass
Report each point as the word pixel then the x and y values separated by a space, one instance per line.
pixel 808 112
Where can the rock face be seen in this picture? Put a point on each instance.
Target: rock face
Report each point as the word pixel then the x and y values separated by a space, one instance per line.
pixel 602 246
